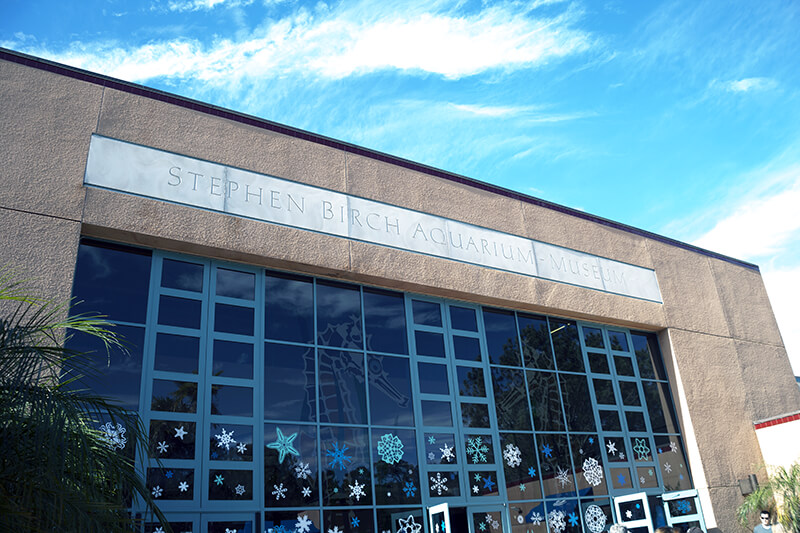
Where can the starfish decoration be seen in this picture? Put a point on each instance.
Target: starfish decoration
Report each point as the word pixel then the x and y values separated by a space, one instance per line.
pixel 284 445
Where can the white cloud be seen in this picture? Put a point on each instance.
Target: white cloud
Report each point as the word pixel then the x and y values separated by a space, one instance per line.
pixel 746 85
pixel 351 40
pixel 198 5
pixel 783 287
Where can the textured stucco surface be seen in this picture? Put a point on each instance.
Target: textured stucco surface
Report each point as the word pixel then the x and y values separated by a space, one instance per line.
pixel 724 346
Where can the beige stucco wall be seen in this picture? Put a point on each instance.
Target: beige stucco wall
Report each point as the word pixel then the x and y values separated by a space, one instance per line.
pixel 721 342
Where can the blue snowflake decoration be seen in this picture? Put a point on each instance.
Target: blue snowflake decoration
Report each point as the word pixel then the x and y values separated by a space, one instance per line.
pixel 410 489
pixel 338 457
pixel 684 507
pixel 488 484
pixel 547 450
pixel 168 474
pixel 621 479
pixel 591 440
pixel 531 471
pixel 280 529
pixel 284 445
pixel 431 440
pixel 390 448
pixel 573 519
pixel 355 521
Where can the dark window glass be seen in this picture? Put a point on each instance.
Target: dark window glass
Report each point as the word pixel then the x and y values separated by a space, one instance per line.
pixel 395 466
pixel 486 483
pixel 554 459
pixel 296 472
pixel 174 396
pixel 609 421
pixel 522 471
pixel 588 461
pixel 536 349
pixel 615 449
pixel 479 449
pixel 440 449
pixel 231 401
pixel 545 401
pixel 227 491
pixel 111 280
pixel 342 390
pixel 635 421
pixel 169 481
pixel 470 381
pixel 233 359
pixel 659 406
pixel 648 356
pixel 289 308
pixel 339 315
pixel 475 415
pixel 629 392
pixel 463 318
pixel 436 413
pixel 333 518
pixel 511 399
pixel 236 284
pixel 433 378
pixel 619 341
pixel 345 461
pixel 234 319
pixel 118 372
pixel 241 447
pixel 178 438
pixel 390 391
pixel 431 344
pixel 180 312
pixel 443 484
pixel 177 353
pixel 467 348
pixel 389 519
pixel 501 337
pixel 604 391
pixel 593 338
pixel 672 462
pixel 624 365
pixel 289 385
pixel 385 321
pixel 598 362
pixel 566 346
pixel 426 313
pixel 274 520
pixel 577 403
pixel 181 275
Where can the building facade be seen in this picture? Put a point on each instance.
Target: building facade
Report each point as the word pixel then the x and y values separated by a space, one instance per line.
pixel 327 338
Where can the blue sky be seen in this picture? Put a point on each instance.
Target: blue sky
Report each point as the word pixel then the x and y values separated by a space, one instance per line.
pixel 679 117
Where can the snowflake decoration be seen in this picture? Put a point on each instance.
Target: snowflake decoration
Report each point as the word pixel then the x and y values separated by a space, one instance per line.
pixel 495 524
pixel 573 519
pixel 219 479
pixel 482 526
pixel 591 440
pixel 407 525
pixel 592 471
pixel 159 529
pixel 281 529
pixel 547 450
pixel 650 472
pixel 595 519
pixel 114 436
pixel 431 456
pixel 522 487
pixel 622 455
pixel 279 492
pixel 557 523
pixel 335 530
pixel 667 468
pixel 241 447
pixel 477 450
pixel 683 507
pixel 303 524
pixel 536 519
pixel 338 457
pixel 673 447
pixel 162 446
pixel 390 448
pixel 183 486
pixel 355 521
pixel 357 490
pixel 179 433
pixel 475 489
pixel 563 477
pixel 230 530
pixel 512 455
pixel 306 492
pixel 431 440
pixel 410 489
pixel 168 474
pixel 157 491
pixel 302 470
pixel 531 471
pixel 439 483
pixel 239 489
pixel 628 514
pixel 621 479
pixel 641 449
pixel 284 445
pixel 488 518
pixel 226 439
pixel 488 484
pixel 612 447
pixel 447 453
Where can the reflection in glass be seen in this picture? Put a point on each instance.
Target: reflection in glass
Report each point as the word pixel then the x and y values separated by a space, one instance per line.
pixel 171 483
pixel 648 356
pixel 588 460
pixel 470 381
pixel 174 396
pixel 430 344
pixel 436 413
pixel 426 313
pixel 440 448
pixel 609 420
pixel 177 353
pixel 566 346
pixel 297 473
pixel 598 363
pixel 396 467
pixel 463 318
pixel 624 365
pixel 433 378
pixel 342 387
pixel 385 321
pixel 346 462
pixel 233 359
pixel 545 401
pixel 536 350
pixel 554 460
pixel 501 337
pixel 615 449
pixel 630 393
pixel 635 420
pixel 390 391
pixel 466 348
pixel 474 415
pixel 659 406
pixel 230 442
pixel 593 337
pixel 577 402
pixel 510 399
pixel 230 485
pixel 231 401
pixel 178 439
pixel 180 312
pixel 566 510
pixel 234 319
pixel 236 284
pixel 181 275
pixel 289 308
pixel 521 466
pixel 275 520
pixel 604 391
pixel 619 341
pixel 339 315
pixel 289 384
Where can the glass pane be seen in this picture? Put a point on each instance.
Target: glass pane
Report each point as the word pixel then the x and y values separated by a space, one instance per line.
pixel 555 462
pixel 227 527
pixel 342 387
pixel 346 469
pixel 483 483
pixel 440 449
pixel 528 517
pixel 520 466
pixel 171 483
pixel 630 393
pixel 577 403
pixel 479 449
pixel 177 353
pixel 405 520
pixel 648 356
pixel 289 308
pixel 430 344
pixel 463 318
pixel 174 396
pixel 588 459
pixel 230 485
pixel 229 442
pixel 511 399
pixel 641 449
pixel 635 421
pixel 545 401
pixel 290 521
pixel 291 470
pixel 597 515
pixel 501 337
pixel 470 381
pixel 339 315
pixel 564 516
pixel 475 415
pixel 624 365
pixel 180 312
pixel 615 449
pixel 426 313
pixel 181 275
pixel 659 406
pixel 436 413
pixel 593 338
pixel 491 521
pixel 609 421
pixel 353 520
pixel 172 440
pixel 443 484
pixel 390 391
pixel 672 462
pixel 396 467
pixel 598 363
pixel 234 319
pixel 536 350
pixel 233 359
pixel 289 384
pixel 621 479
pixel 619 341
pixel 467 348
pixel 604 391
pixel 433 378
pixel 231 401
pixel 566 346
pixel 236 284
pixel 111 280
pixel 385 321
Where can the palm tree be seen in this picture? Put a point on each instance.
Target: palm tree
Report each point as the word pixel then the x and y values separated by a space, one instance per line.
pixel 58 471
pixel 781 493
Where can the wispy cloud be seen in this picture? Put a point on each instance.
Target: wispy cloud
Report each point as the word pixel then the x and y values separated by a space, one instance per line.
pixel 350 40
pixel 203 5
pixel 745 85
pixel 527 114
pixel 783 287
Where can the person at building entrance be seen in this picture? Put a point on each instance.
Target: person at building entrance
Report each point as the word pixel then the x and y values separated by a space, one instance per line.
pixel 766 524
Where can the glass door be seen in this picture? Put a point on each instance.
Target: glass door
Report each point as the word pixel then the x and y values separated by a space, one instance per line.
pixel 439 518
pixel 633 512
pixel 682 508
